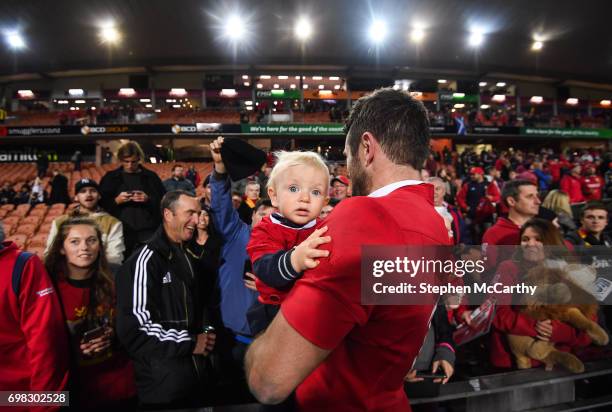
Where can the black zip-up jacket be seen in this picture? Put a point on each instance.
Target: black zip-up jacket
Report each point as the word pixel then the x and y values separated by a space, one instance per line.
pixel 160 311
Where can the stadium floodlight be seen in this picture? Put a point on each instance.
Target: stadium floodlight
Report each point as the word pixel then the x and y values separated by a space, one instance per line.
pixel 482 84
pixel 14 40
pixel 501 84
pixel 442 81
pixel 292 86
pixel 476 38
pixel 378 31
pixel 536 99
pixel 417 34
pixel 605 102
pixel 109 33
pixel 484 106
pixel 572 101
pixel 499 98
pixel 76 92
pixel 303 29
pixel 25 94
pixel 537 46
pixel 234 28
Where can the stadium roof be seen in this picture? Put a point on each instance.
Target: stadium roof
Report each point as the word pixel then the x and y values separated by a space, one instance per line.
pixel 62 38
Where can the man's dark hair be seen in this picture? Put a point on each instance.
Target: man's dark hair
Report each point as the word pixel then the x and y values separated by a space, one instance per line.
pixel 175 166
pixel 262 203
pixel 398 122
pixel 593 205
pixel 513 189
pixel 169 200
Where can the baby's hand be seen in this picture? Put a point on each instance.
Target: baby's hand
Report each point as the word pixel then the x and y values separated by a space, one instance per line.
pixel 305 255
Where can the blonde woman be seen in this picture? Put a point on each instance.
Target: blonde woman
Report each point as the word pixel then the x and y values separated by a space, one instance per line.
pixel 559 202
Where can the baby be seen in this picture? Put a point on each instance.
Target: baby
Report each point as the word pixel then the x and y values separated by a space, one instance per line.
pixel 284 244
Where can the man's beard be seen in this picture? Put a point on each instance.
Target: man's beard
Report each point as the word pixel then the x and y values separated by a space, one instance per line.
pixel 362 183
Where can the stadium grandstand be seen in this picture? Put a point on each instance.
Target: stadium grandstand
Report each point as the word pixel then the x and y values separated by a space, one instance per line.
pixel 108 107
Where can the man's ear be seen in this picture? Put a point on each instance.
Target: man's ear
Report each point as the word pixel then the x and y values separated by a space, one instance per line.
pixel 167 214
pixel 273 197
pixel 369 146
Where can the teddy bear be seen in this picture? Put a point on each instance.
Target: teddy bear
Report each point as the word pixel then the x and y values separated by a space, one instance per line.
pixel 558 297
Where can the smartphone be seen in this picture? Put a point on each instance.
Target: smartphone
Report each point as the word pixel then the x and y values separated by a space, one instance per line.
pixel 209 329
pixel 427 375
pixel 248 267
pixel 93 334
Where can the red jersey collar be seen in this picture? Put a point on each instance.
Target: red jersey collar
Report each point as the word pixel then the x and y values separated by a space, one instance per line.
pixel 385 190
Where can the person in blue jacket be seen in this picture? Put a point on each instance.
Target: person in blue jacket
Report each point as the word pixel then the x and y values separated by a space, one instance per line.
pixel 236 298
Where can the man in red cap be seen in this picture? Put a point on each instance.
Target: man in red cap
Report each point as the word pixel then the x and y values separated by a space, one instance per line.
pixel 340 186
pixel 477 199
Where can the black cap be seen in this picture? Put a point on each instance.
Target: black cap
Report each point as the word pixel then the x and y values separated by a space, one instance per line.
pixel 85 183
pixel 240 158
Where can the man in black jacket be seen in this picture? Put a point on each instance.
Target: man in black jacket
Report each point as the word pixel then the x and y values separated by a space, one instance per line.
pixel 132 194
pixel 160 311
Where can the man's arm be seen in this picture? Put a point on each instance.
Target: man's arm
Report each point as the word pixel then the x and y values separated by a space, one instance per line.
pixel 279 360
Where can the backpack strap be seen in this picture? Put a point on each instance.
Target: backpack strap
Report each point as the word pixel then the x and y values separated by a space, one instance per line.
pixel 22 259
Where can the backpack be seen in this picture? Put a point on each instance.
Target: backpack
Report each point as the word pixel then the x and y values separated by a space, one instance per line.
pixel 22 259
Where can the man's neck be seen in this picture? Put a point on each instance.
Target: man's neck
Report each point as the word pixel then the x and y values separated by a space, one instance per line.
pixel 86 211
pixel 517 218
pixel 391 174
pixel 171 237
pixel 596 235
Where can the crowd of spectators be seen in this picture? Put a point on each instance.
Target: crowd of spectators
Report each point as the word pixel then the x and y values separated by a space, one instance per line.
pixel 182 284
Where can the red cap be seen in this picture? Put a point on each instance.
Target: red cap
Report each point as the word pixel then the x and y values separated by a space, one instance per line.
pixel 342 179
pixel 477 171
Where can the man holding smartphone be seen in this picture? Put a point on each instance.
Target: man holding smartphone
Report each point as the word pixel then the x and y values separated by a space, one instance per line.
pixel 132 194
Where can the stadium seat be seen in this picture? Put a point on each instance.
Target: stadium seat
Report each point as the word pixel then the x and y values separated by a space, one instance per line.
pixel 3 212
pixel 31 219
pixel 38 212
pixel 39 239
pixel 11 220
pixel 8 207
pixel 19 238
pixel 45 227
pixel 27 229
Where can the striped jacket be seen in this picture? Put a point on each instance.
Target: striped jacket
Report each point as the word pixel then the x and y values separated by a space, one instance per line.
pixel 159 313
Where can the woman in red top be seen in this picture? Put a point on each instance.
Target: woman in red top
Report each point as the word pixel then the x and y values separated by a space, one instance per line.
pixel 534 235
pixel 101 373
